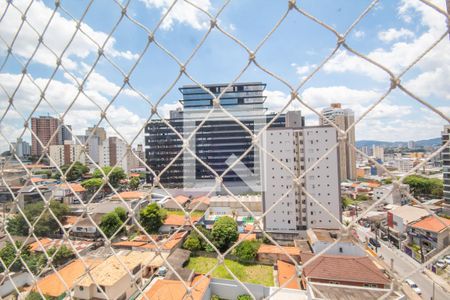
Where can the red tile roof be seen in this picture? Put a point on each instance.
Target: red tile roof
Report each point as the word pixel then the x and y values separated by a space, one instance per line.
pixel 77 188
pixel 272 249
pixel 432 223
pixel 175 290
pixel 343 268
pixel 178 220
pixel 250 237
pixel 285 272
pixel 130 195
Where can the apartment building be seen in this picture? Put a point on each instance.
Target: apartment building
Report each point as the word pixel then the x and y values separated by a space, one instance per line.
pixel 343 118
pixel 299 148
pixel 21 148
pixel 45 129
pixel 66 154
pixel 446 163
pixel 217 140
pixel 114 151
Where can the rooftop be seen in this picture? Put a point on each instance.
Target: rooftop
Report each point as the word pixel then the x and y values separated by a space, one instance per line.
pixel 175 289
pixel 77 188
pixel 52 285
pixel 343 268
pixel 432 223
pixel 111 270
pixel 178 220
pixel 272 249
pixel 48 243
pixel 250 237
pixel 129 195
pixel 337 291
pixel 409 213
pixel 285 273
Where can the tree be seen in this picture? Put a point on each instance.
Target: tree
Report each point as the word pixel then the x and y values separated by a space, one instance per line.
pixel 134 183
pixel 422 186
pixel 47 224
pixel 244 297
pixel 110 224
pixel 116 175
pixel 346 202
pixel 362 197
pixel 192 243
pixel 224 232
pixel 75 172
pixel 92 184
pixel 152 217
pixel 63 255
pixel 246 251
pixel 8 254
pixel 121 213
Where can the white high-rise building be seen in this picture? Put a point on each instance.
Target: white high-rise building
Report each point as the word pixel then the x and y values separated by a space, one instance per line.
pixel 21 148
pixel 298 149
pixel 378 152
pixel 343 118
pixel 114 151
pixel 66 154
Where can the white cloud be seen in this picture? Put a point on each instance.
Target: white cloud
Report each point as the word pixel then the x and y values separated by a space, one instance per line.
pixel 393 34
pixel 359 34
pixel 305 69
pixel 60 95
pixel 400 54
pixel 57 36
pixel 182 12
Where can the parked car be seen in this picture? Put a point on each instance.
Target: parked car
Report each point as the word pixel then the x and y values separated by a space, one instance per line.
pixel 441 264
pixel 374 242
pixel 413 286
pixel 162 271
pixel 447 259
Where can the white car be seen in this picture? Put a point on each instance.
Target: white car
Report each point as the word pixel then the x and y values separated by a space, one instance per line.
pixel 441 264
pixel 447 259
pixel 414 286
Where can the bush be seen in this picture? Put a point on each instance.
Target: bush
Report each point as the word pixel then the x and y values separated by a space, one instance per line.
pixel 224 232
pixel 152 217
pixel 244 297
pixel 110 223
pixel 115 175
pixel 247 250
pixel 192 243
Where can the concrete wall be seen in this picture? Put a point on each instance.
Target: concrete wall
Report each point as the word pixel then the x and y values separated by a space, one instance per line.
pixel 20 279
pixel 341 248
pixel 229 289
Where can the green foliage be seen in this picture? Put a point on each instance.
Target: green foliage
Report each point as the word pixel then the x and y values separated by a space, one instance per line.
pixel 224 232
pixel 110 223
pixel 152 217
pixel 74 173
pixel 62 256
pixel 8 254
pixel 117 174
pixel 46 224
pixel 362 197
pixel 47 173
pixel 192 243
pixel 92 184
pixel 134 183
pixel 386 181
pixel 34 296
pixel 244 297
pixel 215 297
pixel 121 213
pixel 422 186
pixel 247 250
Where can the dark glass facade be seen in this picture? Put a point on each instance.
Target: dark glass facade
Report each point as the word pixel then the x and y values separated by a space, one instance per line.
pixel 216 140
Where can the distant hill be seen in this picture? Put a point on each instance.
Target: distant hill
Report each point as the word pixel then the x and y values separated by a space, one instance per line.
pixel 420 143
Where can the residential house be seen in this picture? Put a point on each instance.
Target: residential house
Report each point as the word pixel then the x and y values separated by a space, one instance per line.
pixel 200 203
pixel 81 247
pixel 53 285
pixel 319 239
pixel 67 193
pixel 176 290
pixel 85 228
pixel 271 253
pixel 175 203
pixel 110 280
pixel 342 270
pixel 398 219
pixel 173 222
pixel 431 234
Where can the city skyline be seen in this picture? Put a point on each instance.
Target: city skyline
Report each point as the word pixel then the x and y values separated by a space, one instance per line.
pixel 346 79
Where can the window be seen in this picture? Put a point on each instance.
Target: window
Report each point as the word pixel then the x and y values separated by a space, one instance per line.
pixel 81 288
pixel 341 250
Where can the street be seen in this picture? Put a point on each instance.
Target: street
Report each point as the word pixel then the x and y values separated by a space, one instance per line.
pixel 403 264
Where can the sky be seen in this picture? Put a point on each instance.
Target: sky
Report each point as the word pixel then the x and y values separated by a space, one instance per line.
pixel 393 33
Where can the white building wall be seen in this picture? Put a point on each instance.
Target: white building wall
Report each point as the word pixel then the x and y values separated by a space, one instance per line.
pixel 322 182
pixel 56 153
pixel 104 154
pixel 299 149
pixel 277 181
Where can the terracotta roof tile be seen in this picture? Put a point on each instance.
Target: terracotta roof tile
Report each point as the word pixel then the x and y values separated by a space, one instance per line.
pixel 175 289
pixel 250 237
pixel 343 268
pixel 129 195
pixel 432 223
pixel 272 249
pixel 285 272
pixel 52 285
pixel 178 220
pixel 77 188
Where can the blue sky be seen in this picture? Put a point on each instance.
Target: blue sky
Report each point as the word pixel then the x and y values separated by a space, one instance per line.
pixel 393 33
